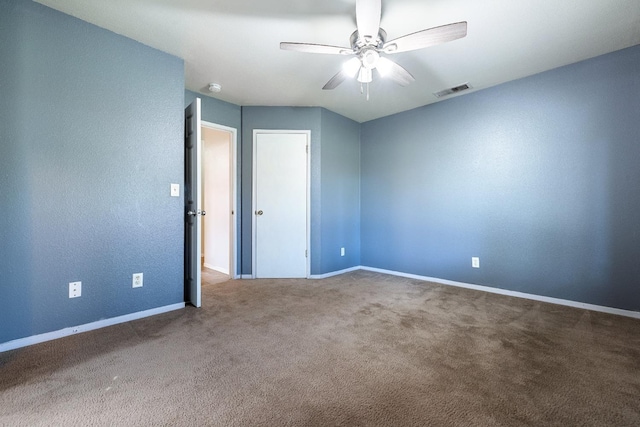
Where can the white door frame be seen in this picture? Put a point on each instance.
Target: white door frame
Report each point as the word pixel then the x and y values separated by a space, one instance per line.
pixel 233 272
pixel 307 133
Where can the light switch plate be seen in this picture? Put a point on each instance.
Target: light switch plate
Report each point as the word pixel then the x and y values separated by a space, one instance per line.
pixel 175 190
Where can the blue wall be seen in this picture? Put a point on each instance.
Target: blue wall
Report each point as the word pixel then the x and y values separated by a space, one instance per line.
pixel 340 193
pixel 216 111
pixel 91 128
pixel 334 181
pixel 538 177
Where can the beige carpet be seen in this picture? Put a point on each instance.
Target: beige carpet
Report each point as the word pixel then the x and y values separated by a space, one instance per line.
pixel 361 349
pixel 213 277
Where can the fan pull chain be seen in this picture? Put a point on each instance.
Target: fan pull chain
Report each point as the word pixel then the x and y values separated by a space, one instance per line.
pixel 362 89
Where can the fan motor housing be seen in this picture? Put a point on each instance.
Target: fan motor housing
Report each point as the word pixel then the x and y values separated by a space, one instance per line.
pixel 358 44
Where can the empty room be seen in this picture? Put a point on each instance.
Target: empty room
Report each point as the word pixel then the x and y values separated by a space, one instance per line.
pixel 296 213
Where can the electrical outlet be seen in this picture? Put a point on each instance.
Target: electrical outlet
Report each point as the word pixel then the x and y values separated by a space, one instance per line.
pixel 475 262
pixel 75 289
pixel 136 282
pixel 341 251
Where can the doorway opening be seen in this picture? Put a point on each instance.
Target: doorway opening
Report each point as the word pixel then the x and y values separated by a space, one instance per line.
pixel 219 191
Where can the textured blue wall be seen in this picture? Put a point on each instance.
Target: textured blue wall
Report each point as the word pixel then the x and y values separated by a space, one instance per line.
pixel 538 177
pixel 216 111
pixel 91 128
pixel 335 182
pixel 230 115
pixel 335 176
pixel 340 192
pixel 283 118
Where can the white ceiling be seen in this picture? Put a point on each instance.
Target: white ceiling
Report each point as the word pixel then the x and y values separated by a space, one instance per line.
pixel 236 43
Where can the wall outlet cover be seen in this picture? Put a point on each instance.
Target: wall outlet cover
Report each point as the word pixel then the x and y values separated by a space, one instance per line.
pixel 137 280
pixel 75 289
pixel 475 262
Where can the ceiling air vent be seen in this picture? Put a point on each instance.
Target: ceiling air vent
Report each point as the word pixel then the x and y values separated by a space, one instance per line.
pixel 453 90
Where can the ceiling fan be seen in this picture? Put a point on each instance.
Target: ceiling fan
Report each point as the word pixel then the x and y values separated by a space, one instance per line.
pixel 369 43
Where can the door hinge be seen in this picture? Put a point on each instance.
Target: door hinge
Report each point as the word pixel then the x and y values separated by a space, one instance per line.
pixel 306 253
pixel 307 149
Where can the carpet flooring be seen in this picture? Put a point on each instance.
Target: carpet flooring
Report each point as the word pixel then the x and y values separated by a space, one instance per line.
pixel 360 349
pixel 213 277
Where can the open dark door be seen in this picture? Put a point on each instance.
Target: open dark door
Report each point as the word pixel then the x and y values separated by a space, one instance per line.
pixel 193 208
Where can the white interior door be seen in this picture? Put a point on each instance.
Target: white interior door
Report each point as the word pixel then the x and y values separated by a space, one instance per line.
pixel 193 208
pixel 280 205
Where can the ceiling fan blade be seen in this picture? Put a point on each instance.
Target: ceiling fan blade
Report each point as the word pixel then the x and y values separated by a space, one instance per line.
pixel 368 19
pixel 425 38
pixel 336 80
pixel 316 48
pixel 395 72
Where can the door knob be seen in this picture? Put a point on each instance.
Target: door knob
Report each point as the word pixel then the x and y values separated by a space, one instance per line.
pixel 259 212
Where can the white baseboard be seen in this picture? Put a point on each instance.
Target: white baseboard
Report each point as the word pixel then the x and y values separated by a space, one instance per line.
pixel 37 339
pixel 315 276
pixel 218 269
pixel 334 273
pixel 558 301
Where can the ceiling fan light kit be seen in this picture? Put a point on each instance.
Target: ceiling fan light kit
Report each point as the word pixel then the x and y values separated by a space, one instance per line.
pixel 351 67
pixel 368 44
